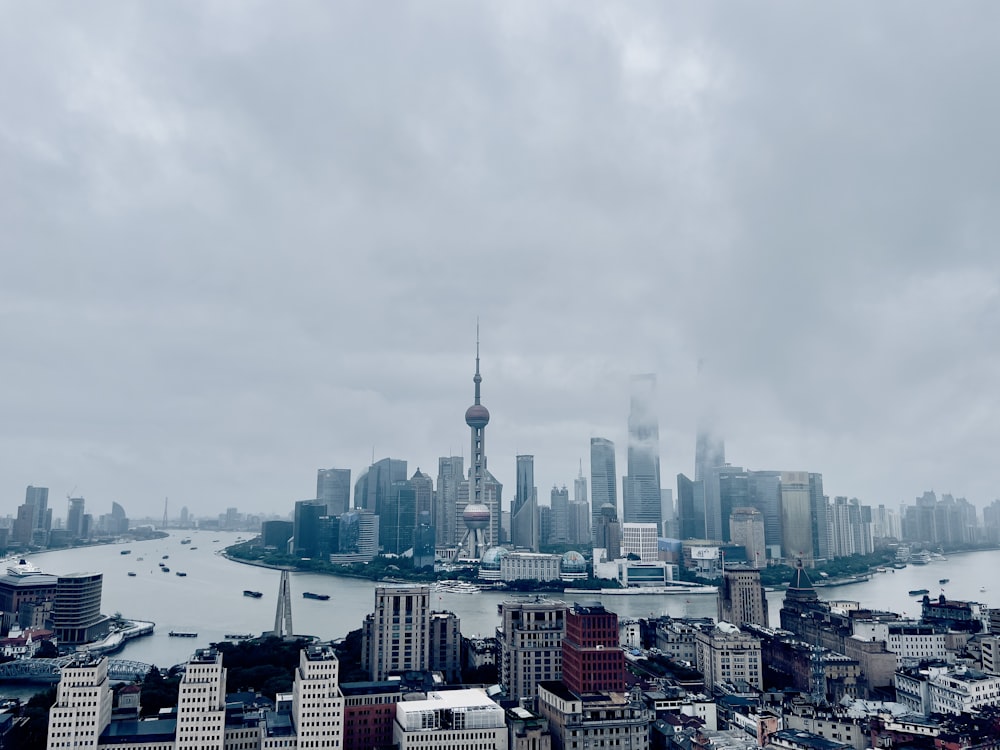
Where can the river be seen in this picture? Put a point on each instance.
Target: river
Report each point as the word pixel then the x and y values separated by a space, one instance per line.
pixel 210 601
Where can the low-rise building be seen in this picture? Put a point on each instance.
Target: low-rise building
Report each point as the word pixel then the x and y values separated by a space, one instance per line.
pixel 727 654
pixel 459 719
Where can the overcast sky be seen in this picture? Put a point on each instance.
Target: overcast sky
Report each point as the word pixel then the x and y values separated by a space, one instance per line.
pixel 242 241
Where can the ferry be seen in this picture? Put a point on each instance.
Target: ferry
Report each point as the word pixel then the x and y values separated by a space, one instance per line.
pixel 181 574
pixel 318 597
pixel 185 541
pixel 943 581
pixel 252 594
pixel 239 636
pixel 131 574
pixel 181 634
pixel 165 557
pixel 455 587
pixel 919 592
pixel 125 552
pixel 921 558
pixel 165 569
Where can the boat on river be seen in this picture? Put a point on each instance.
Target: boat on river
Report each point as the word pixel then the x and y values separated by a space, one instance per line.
pixel 252 594
pixel 181 634
pixel 131 574
pixel 318 597
pixel 919 592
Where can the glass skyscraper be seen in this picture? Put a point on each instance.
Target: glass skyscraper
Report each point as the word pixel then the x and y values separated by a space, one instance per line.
pixel 641 488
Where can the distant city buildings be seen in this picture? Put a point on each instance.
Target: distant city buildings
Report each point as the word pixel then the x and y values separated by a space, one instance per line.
pixel 641 499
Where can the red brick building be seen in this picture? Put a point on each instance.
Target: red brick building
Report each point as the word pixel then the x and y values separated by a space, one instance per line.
pixel 591 658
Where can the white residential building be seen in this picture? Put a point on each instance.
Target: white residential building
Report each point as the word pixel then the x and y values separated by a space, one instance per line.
pixel 201 702
pixel 395 637
pixel 83 704
pixel 317 703
pixel 453 719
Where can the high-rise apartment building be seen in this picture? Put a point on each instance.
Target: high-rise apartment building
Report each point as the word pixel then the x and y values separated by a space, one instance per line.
pixel 446 646
pixel 741 597
pixel 603 479
pixel 396 636
pixel 201 702
pixel 530 638
pixel 450 475
pixel 524 532
pixel 641 488
pixel 592 661
pixel 333 487
pixel 317 702
pixel 82 710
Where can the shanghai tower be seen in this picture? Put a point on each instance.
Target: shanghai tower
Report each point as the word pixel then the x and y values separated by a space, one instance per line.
pixel 641 488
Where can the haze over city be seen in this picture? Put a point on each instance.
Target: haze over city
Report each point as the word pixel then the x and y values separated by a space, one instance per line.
pixel 242 243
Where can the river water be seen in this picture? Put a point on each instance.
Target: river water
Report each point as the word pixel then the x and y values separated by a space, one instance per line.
pixel 209 600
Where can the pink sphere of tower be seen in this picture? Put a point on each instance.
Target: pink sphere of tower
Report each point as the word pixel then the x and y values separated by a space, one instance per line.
pixel 476 516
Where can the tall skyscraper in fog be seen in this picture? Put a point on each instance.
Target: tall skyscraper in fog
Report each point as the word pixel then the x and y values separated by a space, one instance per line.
pixel 709 449
pixel 333 487
pixel 603 480
pixel 524 513
pixel 641 488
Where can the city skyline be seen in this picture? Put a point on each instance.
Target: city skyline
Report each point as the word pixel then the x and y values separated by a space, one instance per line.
pixel 227 269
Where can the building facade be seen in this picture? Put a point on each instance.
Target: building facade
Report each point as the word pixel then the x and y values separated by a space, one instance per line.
pixel 530 638
pixel 396 636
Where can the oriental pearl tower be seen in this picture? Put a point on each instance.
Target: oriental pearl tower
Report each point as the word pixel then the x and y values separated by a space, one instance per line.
pixel 477 514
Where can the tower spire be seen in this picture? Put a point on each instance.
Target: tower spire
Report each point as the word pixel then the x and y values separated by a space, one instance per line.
pixel 477 379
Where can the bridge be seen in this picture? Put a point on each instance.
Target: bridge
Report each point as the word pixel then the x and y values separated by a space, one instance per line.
pixel 47 670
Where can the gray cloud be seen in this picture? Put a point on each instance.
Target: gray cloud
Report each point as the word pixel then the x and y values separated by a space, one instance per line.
pixel 245 241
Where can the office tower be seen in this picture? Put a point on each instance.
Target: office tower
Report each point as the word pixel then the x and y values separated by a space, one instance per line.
pixel 729 487
pixel 23 527
pixel 479 496
pixel 333 487
pixel 640 539
pixel 609 533
pixel 82 710
pixel 423 542
pixel 668 527
pixel 76 612
pixel 74 518
pixel 765 496
pixel 710 449
pixel 641 488
pixel 317 703
pixel 38 499
pixel 819 509
pixel 276 534
pixel 580 487
pixel 398 518
pixel 746 528
pixel 690 508
pixel 544 524
pixel 373 487
pixel 741 597
pixel 524 513
pixel 423 487
pixel 603 479
pixel 530 638
pixel 579 523
pixel 358 537
pixel 559 503
pixel 591 659
pixel 446 646
pixel 796 517
pixel 306 527
pixel 201 702
pixel 450 473
pixel 395 637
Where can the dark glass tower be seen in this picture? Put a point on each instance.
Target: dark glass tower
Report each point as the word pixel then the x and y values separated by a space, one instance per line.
pixel 603 479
